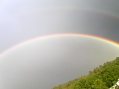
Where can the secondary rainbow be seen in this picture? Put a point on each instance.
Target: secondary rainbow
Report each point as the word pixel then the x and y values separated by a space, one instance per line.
pixel 61 35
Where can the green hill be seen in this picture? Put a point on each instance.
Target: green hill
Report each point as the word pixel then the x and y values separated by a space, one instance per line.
pixel 102 77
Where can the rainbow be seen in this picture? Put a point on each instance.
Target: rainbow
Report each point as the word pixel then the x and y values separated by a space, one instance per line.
pixel 61 35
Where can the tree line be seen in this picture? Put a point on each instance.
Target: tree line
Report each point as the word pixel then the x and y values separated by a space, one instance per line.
pixel 102 77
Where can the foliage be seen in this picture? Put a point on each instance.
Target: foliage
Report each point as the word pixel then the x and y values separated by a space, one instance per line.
pixel 101 77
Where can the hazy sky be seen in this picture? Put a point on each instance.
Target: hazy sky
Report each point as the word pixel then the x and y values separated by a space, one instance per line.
pixel 31 66
pixel 46 62
pixel 21 20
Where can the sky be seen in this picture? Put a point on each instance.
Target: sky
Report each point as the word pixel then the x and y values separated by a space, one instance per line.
pixel 49 61
pixel 30 65
pixel 21 20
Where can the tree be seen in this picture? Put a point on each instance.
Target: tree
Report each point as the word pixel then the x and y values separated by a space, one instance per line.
pixel 99 84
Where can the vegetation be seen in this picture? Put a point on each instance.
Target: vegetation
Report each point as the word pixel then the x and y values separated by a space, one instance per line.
pixel 102 77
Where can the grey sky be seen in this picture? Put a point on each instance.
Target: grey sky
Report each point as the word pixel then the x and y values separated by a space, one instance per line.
pixel 46 62
pixel 21 20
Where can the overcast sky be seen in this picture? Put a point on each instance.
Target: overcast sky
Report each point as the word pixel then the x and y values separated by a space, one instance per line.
pixel 47 62
pixel 30 66
pixel 21 20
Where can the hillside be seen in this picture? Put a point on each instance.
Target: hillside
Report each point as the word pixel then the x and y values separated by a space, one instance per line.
pixel 102 77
